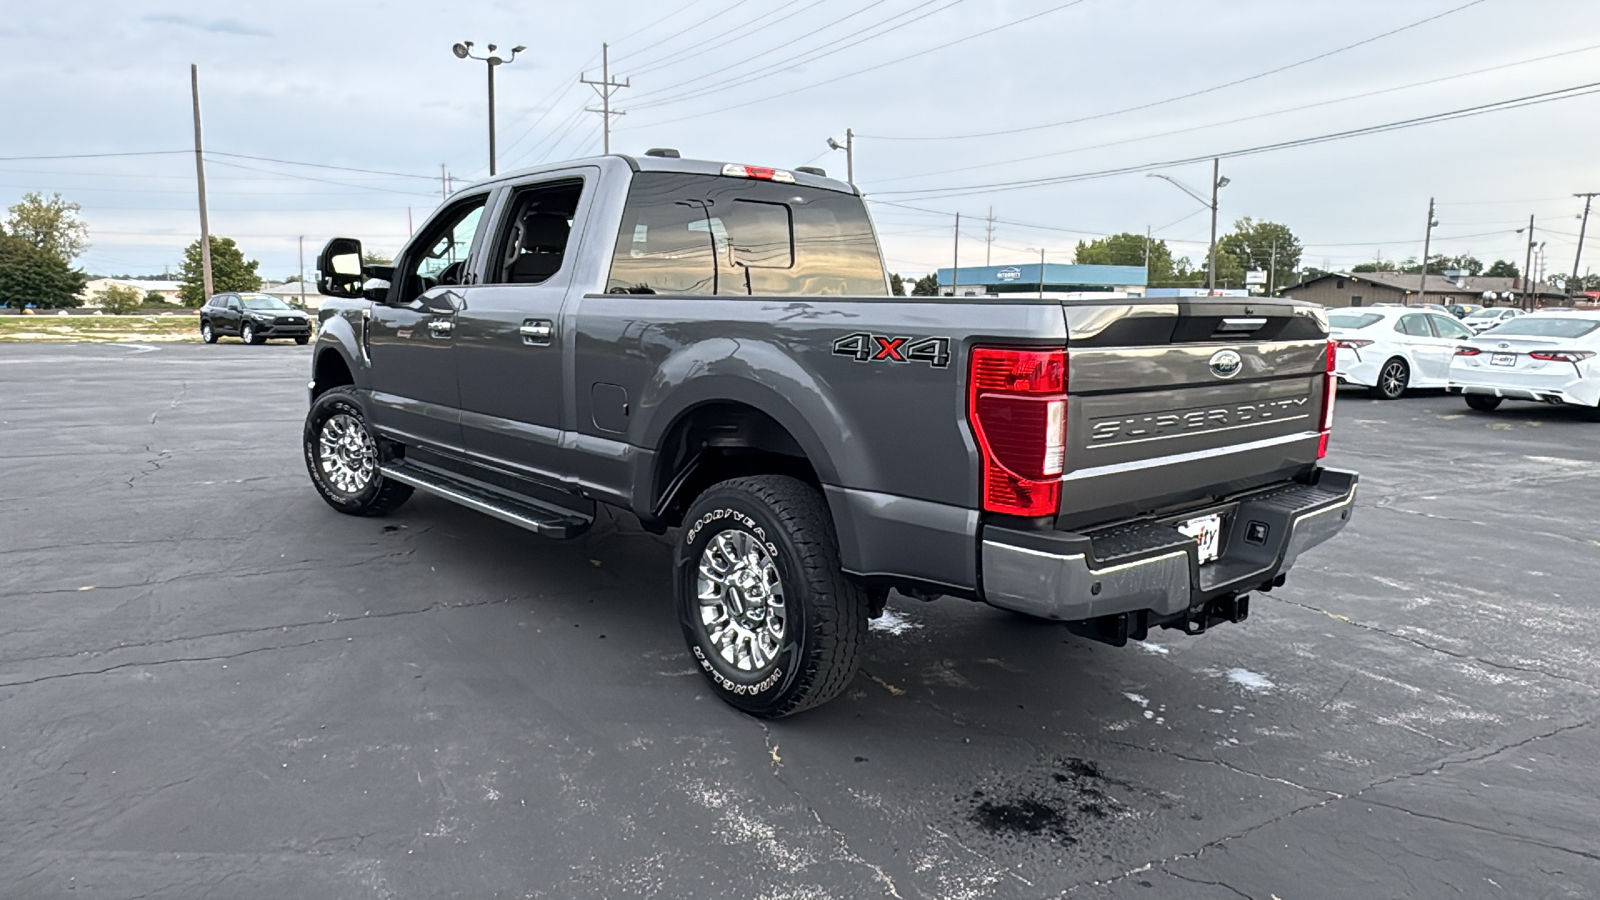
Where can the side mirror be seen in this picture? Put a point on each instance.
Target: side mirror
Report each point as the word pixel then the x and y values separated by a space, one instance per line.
pixel 339 268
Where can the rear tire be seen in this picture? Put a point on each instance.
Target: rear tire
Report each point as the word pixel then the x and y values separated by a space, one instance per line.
pixel 342 456
pixel 1483 402
pixel 1392 380
pixel 770 617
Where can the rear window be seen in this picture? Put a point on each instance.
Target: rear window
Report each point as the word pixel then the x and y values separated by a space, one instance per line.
pixel 705 234
pixel 1537 326
pixel 1353 321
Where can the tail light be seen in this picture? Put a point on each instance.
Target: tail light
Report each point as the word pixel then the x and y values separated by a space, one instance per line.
pixel 1017 404
pixel 1351 344
pixel 1329 391
pixel 1468 351
pixel 1570 356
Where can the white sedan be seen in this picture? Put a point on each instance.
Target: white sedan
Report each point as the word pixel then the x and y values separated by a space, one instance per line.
pixel 1552 357
pixel 1487 318
pixel 1388 349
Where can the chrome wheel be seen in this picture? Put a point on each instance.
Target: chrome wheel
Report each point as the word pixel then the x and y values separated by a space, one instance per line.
pixel 248 335
pixel 346 453
pixel 205 332
pixel 741 600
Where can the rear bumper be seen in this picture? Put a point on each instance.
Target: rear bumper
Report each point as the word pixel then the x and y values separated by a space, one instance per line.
pixel 1550 386
pixel 1149 568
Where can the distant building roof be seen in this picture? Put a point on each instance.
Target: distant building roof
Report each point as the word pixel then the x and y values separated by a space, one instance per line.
pixel 1438 284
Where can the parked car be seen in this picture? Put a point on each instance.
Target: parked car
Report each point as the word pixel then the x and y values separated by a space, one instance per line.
pixel 1462 310
pixel 1389 349
pixel 1488 317
pixel 714 348
pixel 1435 307
pixel 1548 356
pixel 253 318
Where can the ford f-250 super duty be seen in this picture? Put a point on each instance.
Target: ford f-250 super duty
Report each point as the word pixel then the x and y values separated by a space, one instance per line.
pixel 715 348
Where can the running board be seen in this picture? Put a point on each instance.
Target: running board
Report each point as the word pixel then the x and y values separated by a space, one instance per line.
pixel 538 518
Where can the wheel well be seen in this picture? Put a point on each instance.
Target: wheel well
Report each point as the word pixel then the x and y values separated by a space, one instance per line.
pixel 718 441
pixel 330 372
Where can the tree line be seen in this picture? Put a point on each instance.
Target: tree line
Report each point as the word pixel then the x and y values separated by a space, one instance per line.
pixel 42 236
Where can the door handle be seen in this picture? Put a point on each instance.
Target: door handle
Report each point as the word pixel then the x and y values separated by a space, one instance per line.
pixel 537 331
pixel 441 327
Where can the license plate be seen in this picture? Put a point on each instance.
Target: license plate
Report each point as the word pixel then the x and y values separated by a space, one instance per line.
pixel 1207 532
pixel 1503 359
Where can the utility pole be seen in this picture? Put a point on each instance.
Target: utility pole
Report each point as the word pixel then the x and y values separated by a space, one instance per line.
pixel 1041 273
pixel 1582 229
pixel 605 87
pixel 444 182
pixel 1527 268
pixel 955 266
pixel 1272 270
pixel 988 241
pixel 1216 183
pixel 200 179
pixel 303 271
pixel 1427 244
pixel 1147 236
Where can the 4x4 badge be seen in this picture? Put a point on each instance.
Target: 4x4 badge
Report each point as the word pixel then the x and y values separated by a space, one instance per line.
pixel 865 347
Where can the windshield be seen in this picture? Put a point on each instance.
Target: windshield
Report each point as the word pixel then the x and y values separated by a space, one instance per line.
pixel 1352 321
pixel 263 301
pixel 1535 326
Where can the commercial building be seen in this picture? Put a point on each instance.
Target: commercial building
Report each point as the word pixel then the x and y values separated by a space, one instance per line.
pixel 1342 289
pixel 1053 278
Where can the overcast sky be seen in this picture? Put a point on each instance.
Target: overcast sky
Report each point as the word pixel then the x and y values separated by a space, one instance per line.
pixel 376 87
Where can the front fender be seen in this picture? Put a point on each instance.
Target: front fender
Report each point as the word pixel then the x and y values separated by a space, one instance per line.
pixel 339 333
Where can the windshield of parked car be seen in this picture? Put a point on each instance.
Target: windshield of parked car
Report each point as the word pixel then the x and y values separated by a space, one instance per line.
pixel 1353 321
pixel 263 301
pixel 1538 326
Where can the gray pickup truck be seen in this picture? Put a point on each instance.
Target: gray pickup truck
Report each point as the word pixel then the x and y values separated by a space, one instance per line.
pixel 715 349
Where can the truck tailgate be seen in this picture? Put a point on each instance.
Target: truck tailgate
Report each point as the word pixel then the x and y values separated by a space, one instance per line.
pixel 1173 403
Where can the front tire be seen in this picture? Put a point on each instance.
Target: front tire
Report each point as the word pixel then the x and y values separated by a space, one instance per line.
pixel 342 457
pixel 1483 402
pixel 302 340
pixel 249 336
pixel 206 334
pixel 769 616
pixel 1392 380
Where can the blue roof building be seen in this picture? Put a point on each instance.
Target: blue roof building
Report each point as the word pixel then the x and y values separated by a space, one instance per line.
pixel 1055 277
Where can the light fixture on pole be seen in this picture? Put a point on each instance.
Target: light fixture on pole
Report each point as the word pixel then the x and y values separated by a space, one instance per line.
pixel 463 50
pixel 849 148
pixel 1218 182
pixel 1040 251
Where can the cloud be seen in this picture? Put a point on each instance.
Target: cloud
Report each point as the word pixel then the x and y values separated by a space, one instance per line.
pixel 215 26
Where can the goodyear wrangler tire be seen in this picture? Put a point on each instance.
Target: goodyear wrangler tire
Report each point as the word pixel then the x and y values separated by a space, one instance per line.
pixel 342 457
pixel 770 618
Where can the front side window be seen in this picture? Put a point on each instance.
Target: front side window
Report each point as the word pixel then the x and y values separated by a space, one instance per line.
pixel 440 258
pixel 706 234
pixel 233 302
pixel 1450 328
pixel 1416 326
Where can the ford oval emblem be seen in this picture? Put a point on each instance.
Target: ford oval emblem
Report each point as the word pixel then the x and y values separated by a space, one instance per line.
pixel 1226 363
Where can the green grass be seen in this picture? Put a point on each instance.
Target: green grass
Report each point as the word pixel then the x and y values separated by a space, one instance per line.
pixel 47 327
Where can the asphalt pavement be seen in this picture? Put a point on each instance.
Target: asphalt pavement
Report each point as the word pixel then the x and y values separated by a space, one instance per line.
pixel 212 685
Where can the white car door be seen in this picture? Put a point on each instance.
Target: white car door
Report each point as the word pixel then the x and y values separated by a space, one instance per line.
pixel 1429 362
pixel 1451 335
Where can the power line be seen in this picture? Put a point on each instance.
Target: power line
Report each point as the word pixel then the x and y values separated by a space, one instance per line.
pixel 368 187
pixel 1213 88
pixel 672 59
pixel 837 78
pixel 1466 112
pixel 677 34
pixel 1278 112
pixel 292 162
pixel 94 155
pixel 784 65
pixel 643 28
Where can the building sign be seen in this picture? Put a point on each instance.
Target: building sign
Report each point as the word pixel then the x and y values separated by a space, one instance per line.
pixel 1256 276
pixel 1010 273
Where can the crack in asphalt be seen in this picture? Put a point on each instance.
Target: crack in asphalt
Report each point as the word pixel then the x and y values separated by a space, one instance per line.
pixel 1465 657
pixel 162 662
pixel 1476 827
pixel 1225 886
pixel 1434 769
pixel 258 629
pixel 290 567
pixel 176 399
pixel 878 874
pixel 1335 795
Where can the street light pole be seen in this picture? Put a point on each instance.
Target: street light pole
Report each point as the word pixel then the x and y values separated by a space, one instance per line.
pixel 1216 183
pixel 463 50
pixel 849 148
pixel 1527 267
pixel 1041 273
pixel 200 177
pixel 1427 243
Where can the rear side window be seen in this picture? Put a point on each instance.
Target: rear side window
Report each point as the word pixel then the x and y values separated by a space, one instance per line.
pixel 705 234
pixel 1355 321
pixel 1539 326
